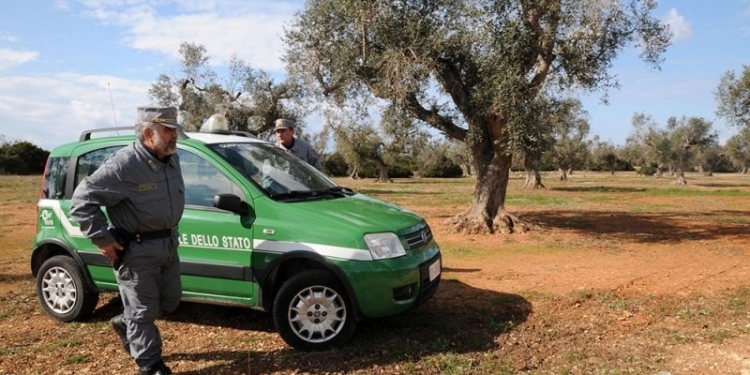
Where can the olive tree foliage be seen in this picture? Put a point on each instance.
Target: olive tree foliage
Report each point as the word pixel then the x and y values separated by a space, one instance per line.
pixel 605 156
pixel 570 128
pixel 249 98
pixel 648 144
pixel 737 150
pixel 471 69
pixel 675 146
pixel 688 136
pixel 396 141
pixel 733 97
pixel 709 156
pixel 536 141
pixel 460 155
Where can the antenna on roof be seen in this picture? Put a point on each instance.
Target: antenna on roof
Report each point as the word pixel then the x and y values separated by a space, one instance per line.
pixel 113 104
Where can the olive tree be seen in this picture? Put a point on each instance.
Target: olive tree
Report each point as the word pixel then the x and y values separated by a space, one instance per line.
pixel 733 97
pixel 674 146
pixel 738 150
pixel 570 128
pixel 250 99
pixel 469 68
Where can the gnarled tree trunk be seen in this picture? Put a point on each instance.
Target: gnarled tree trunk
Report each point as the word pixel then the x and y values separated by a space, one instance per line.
pixel 382 171
pixel 487 214
pixel 680 173
pixel 533 177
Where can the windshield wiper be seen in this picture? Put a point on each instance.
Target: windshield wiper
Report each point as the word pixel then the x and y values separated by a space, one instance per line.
pixel 336 191
pixel 293 194
pixel 339 190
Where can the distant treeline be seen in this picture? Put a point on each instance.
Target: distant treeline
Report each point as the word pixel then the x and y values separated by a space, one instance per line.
pixel 22 158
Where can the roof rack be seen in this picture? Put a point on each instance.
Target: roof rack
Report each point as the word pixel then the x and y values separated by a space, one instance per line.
pixel 86 134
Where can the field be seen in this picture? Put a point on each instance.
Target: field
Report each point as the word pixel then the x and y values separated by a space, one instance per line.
pixel 622 275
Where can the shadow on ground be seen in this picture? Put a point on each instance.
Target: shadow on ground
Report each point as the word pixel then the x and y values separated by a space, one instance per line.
pixel 458 319
pixel 648 227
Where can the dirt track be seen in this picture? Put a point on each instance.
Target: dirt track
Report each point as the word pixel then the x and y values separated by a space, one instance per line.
pixel 608 293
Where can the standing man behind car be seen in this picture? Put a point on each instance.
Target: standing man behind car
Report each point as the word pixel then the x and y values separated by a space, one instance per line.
pixel 285 139
pixel 142 188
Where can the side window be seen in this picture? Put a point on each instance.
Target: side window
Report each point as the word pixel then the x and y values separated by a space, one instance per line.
pixel 90 162
pixel 55 176
pixel 203 180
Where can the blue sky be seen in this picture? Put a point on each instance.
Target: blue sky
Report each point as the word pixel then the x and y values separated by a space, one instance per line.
pixel 68 65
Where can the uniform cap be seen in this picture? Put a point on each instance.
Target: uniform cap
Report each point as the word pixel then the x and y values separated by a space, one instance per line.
pixel 166 116
pixel 283 123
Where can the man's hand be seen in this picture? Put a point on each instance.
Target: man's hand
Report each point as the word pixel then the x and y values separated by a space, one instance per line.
pixel 110 251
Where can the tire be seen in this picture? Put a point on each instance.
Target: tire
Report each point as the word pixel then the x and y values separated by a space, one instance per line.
pixel 62 290
pixel 312 312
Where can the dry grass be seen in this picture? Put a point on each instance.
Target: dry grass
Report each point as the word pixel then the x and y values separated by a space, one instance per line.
pixel 626 275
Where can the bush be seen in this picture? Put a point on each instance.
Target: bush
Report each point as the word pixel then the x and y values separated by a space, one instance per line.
pixel 22 158
pixel 647 170
pixel 400 171
pixel 335 165
pixel 442 168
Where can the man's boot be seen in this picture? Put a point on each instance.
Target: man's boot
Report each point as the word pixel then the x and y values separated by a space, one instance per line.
pixel 118 324
pixel 159 368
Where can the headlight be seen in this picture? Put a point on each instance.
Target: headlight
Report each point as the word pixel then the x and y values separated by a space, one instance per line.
pixel 384 245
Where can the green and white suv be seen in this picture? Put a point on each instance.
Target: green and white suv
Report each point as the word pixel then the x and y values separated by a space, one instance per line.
pixel 261 229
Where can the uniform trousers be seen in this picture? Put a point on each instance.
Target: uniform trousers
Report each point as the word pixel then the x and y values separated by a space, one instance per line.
pixel 150 287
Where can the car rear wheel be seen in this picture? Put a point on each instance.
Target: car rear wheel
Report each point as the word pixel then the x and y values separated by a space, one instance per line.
pixel 62 291
pixel 312 312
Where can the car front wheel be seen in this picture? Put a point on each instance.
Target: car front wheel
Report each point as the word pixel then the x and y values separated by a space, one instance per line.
pixel 62 291
pixel 312 312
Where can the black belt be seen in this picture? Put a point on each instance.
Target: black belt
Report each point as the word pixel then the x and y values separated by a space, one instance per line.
pixel 124 237
pixel 155 235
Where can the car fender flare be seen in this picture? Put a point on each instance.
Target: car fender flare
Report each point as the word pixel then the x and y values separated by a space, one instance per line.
pixel 50 247
pixel 265 276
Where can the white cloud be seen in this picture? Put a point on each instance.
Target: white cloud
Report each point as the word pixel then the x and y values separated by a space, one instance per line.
pixel 681 29
pixel 7 37
pixel 52 110
pixel 10 58
pixel 250 30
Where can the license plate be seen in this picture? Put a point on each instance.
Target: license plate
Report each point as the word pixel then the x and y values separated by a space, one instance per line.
pixel 434 270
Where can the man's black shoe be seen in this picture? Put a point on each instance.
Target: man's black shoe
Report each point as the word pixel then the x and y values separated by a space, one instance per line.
pixel 118 324
pixel 159 368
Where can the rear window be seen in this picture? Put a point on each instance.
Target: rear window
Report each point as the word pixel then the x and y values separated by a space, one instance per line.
pixel 55 176
pixel 88 163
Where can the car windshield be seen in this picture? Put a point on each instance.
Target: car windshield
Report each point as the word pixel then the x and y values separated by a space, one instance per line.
pixel 278 173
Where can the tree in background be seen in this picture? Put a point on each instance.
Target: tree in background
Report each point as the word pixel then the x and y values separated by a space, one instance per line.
pixel 22 158
pixel 737 150
pixel 710 157
pixel 606 157
pixel 687 136
pixel 438 159
pixel 459 153
pixel 733 97
pixel 250 99
pixel 675 146
pixel 471 69
pixel 648 144
pixel 570 128
pixel 395 145
pixel 536 142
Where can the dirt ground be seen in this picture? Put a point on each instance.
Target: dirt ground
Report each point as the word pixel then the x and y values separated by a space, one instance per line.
pixel 621 293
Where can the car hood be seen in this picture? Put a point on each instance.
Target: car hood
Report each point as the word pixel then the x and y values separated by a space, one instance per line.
pixel 341 221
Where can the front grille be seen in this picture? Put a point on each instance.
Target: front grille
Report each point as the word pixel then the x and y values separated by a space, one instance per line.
pixel 418 238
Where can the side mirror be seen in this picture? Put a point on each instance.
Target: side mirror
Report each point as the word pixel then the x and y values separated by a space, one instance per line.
pixel 232 203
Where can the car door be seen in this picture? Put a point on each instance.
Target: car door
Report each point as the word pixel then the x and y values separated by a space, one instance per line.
pixel 215 245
